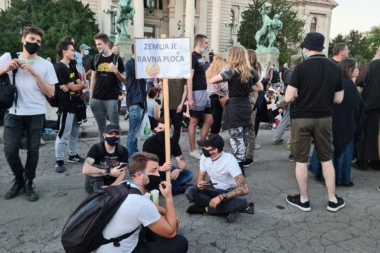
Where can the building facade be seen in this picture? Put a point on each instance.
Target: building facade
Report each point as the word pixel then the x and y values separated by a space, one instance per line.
pixel 214 18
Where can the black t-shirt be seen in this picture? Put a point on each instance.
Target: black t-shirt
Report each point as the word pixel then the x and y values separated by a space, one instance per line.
pixel 199 66
pixel 155 146
pixel 108 160
pixel 235 87
pixel 107 85
pixel 317 79
pixel 68 101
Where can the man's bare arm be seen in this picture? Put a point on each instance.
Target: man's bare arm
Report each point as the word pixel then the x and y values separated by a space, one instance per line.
pixel 242 187
pixel 91 171
pixel 92 86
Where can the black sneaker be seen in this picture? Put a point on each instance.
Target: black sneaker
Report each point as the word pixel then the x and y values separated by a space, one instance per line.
pixel 291 158
pixel 196 209
pixel 335 207
pixel 30 194
pixel 249 209
pixel 231 217
pixel 75 159
pixel 183 188
pixel 247 162
pixel 295 200
pixel 17 186
pixel 60 166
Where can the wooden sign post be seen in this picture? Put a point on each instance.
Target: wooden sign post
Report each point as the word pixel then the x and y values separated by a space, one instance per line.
pixel 166 58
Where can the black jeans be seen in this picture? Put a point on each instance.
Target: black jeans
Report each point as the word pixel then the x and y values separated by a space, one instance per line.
pixel 217 112
pixel 150 242
pixel 14 127
pixel 176 120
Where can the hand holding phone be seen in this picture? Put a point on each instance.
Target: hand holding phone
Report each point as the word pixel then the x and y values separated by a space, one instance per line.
pixel 122 165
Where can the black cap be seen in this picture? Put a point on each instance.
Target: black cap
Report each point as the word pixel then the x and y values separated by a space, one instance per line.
pixel 213 140
pixel 314 41
pixel 110 128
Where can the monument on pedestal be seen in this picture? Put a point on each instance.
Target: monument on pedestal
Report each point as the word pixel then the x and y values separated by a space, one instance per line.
pixel 266 36
pixel 124 42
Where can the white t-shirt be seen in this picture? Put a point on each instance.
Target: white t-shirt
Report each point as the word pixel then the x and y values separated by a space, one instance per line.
pixel 222 171
pixel 134 211
pixel 31 100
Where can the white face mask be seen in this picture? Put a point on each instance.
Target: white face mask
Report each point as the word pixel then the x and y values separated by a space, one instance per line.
pixel 86 52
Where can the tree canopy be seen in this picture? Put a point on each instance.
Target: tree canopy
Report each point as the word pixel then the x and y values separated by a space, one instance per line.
pixel 57 19
pixel 290 33
pixel 362 45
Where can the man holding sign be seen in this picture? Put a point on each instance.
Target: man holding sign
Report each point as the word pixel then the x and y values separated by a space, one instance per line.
pixel 198 99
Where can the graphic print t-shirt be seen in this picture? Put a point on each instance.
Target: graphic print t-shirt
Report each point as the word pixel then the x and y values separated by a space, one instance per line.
pixel 107 85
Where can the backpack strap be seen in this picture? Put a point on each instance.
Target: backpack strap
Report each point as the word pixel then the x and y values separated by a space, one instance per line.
pixel 15 56
pixel 96 60
pixel 116 240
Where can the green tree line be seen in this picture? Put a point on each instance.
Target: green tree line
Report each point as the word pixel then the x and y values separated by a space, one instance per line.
pixel 58 19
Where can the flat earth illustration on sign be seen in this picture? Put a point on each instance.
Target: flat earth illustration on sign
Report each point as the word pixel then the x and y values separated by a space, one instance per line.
pixel 152 69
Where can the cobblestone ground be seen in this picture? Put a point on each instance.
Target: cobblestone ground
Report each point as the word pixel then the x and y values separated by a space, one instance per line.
pixel 275 226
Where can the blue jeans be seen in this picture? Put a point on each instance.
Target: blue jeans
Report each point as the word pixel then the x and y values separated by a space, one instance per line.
pixel 136 114
pixel 182 179
pixel 203 198
pixel 342 165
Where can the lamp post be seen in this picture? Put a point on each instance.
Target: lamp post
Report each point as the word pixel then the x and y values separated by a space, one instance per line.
pixel 112 14
pixel 231 25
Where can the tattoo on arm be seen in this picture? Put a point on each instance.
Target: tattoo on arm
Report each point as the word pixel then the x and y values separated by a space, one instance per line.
pixel 90 170
pixel 242 188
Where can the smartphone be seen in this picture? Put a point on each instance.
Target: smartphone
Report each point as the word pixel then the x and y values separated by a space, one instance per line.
pixel 123 165
pixel 208 184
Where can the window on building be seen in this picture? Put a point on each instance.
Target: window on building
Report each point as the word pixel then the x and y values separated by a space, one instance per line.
pixel 153 4
pixel 313 25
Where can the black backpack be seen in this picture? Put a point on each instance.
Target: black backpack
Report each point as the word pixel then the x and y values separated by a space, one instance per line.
pixel 287 76
pixel 82 232
pixel 276 76
pixel 8 91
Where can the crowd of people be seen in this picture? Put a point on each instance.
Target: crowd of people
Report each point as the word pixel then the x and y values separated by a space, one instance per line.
pixel 317 97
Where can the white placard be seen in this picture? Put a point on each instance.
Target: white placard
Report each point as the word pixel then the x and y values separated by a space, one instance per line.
pixel 163 58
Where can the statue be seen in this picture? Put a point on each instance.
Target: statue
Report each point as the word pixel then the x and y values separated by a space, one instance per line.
pixel 273 30
pixel 125 13
pixel 268 32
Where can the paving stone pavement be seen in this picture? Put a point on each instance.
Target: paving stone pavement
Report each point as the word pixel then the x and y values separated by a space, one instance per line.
pixel 275 226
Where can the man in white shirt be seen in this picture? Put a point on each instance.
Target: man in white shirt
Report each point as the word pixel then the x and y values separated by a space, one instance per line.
pixel 137 211
pixel 224 194
pixel 35 79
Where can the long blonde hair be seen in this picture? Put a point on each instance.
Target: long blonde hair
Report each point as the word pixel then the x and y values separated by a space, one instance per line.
pixel 238 62
pixel 215 68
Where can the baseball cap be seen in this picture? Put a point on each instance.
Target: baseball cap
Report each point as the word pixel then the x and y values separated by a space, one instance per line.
pixel 271 90
pixel 213 140
pixel 110 128
pixel 83 46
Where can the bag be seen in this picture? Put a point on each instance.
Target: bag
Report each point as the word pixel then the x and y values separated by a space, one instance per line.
pixel 276 76
pixel 8 91
pixel 223 100
pixel 145 131
pixel 287 76
pixel 54 100
pixel 82 232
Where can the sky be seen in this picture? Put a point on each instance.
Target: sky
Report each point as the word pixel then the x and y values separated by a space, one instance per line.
pixel 354 15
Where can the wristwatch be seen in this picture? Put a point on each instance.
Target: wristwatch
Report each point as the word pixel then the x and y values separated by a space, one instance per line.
pixel 108 173
pixel 224 196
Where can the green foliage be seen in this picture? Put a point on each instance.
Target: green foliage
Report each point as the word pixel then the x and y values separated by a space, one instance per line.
pixel 58 19
pixel 362 45
pixel 290 34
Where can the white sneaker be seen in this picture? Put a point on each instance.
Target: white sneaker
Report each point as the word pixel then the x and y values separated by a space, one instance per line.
pixel 195 154
pixel 257 146
pixel 42 142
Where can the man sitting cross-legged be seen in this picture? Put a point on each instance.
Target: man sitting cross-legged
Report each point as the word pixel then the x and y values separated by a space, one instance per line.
pixel 106 161
pixel 223 195
pixel 179 174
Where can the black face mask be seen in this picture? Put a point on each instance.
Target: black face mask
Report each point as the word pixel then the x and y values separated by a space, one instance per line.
pixel 206 153
pixel 32 48
pixel 161 136
pixel 112 141
pixel 154 182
